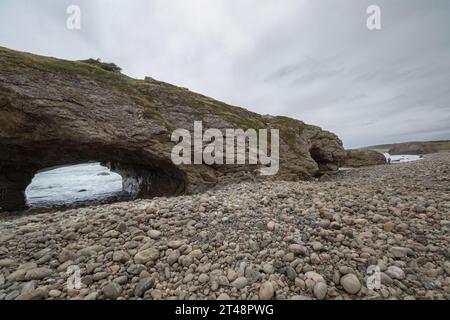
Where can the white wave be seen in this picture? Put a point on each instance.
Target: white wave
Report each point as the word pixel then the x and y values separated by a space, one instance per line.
pixel 402 158
pixel 73 184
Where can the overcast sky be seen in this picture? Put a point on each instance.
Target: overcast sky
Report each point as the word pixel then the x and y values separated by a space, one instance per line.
pixel 313 60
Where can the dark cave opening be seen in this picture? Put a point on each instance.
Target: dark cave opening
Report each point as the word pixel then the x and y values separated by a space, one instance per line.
pixel 117 181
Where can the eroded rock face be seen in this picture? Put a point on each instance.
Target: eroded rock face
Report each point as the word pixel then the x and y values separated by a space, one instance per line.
pixel 363 158
pixel 144 182
pixel 413 148
pixel 56 112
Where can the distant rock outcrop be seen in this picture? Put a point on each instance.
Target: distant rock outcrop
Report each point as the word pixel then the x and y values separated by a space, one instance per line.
pixel 363 158
pixel 413 148
pixel 56 112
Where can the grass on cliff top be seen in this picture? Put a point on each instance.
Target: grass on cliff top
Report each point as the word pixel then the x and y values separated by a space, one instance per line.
pixel 11 60
pixel 441 145
pixel 106 74
pixel 289 129
pixel 243 119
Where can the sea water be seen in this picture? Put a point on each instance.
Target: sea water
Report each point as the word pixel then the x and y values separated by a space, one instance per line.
pixel 73 185
pixel 402 158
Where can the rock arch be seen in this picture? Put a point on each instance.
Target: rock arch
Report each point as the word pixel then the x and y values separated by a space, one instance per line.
pixel 55 112
pixel 157 179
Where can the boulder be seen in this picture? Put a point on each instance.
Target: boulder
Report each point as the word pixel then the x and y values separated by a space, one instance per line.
pixel 412 148
pixel 55 112
pixel 363 158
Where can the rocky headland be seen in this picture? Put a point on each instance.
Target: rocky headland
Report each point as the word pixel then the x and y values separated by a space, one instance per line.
pixel 413 148
pixel 55 112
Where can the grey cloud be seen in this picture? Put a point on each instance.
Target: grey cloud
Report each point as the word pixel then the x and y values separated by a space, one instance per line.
pixel 306 71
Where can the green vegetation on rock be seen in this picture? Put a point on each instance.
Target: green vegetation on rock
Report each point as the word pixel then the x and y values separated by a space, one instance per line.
pixel 290 130
pixel 111 67
pixel 14 61
pixel 104 74
pixel 144 92
pixel 440 145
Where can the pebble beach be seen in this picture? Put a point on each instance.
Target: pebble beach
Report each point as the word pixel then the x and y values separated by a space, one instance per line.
pixel 266 240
